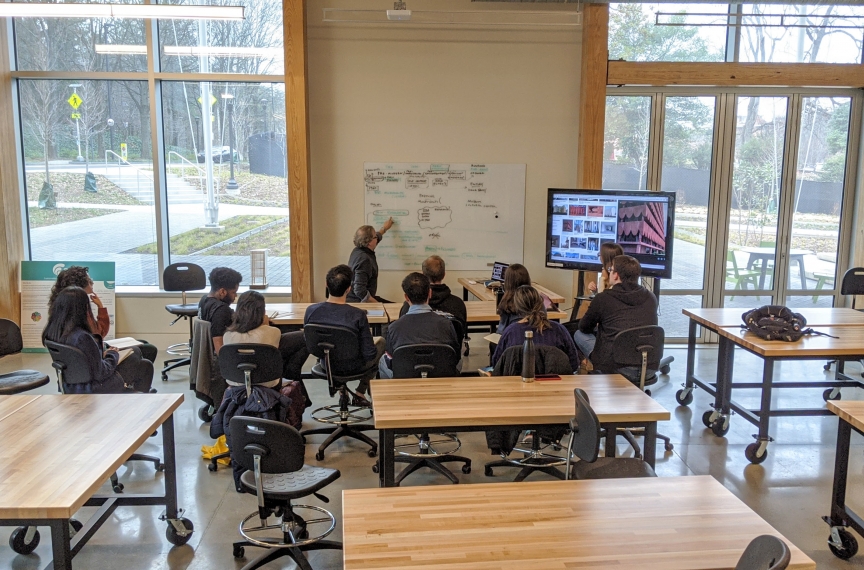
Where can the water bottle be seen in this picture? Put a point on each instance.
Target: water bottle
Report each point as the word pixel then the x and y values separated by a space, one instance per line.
pixel 528 357
pixel 499 293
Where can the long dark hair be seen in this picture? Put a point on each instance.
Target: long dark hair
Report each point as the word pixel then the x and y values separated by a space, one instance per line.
pixel 69 312
pixel 515 276
pixel 75 275
pixel 250 312
pixel 529 306
pixel 608 252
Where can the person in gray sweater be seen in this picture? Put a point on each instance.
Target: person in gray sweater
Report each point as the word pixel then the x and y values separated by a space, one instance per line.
pixel 364 264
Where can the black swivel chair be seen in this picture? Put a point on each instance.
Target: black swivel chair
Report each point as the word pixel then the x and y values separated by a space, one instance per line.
pixel 247 364
pixel 638 355
pixel 273 454
pixel 182 277
pixel 72 368
pixel 765 552
pixel 334 345
pixel 852 284
pixel 20 380
pixel 427 361
pixel 585 444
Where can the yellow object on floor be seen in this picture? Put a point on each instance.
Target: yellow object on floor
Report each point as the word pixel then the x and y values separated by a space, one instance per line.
pixel 221 446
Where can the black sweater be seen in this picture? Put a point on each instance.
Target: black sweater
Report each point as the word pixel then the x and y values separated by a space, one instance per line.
pixel 421 328
pixel 445 301
pixel 624 306
pixel 364 264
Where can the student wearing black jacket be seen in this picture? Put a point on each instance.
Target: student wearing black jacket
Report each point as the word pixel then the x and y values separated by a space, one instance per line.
pixel 364 264
pixel 625 305
pixel 442 299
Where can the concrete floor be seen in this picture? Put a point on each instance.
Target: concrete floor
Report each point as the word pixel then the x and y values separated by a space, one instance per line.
pixel 791 489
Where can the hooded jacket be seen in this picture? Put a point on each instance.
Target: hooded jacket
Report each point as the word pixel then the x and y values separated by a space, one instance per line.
pixel 624 306
pixel 445 301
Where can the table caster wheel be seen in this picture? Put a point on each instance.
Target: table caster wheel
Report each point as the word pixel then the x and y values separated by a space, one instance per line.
pixel 204 414
pixel 118 488
pixel 706 418
pixel 684 399
pixel 466 469
pixel 212 467
pixel 17 540
pixel 239 552
pixel 375 468
pixel 826 395
pixel 750 454
pixel 175 538
pixel 848 545
pixel 319 456
pixel 372 452
pixel 720 426
pixel 487 471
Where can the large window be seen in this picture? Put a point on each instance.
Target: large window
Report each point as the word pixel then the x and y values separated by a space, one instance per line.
pixel 90 147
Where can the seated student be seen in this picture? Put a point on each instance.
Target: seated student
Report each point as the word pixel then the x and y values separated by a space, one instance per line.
pixel 250 324
pixel 627 304
pixel 78 276
pixel 532 317
pixel 71 322
pixel 337 312
pixel 442 299
pixel 420 325
pixel 516 276
pixel 608 252
pixel 215 306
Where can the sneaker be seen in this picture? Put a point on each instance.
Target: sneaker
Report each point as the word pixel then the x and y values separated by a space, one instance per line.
pixel 360 401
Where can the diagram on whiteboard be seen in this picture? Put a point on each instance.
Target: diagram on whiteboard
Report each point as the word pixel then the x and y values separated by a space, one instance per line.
pixel 469 214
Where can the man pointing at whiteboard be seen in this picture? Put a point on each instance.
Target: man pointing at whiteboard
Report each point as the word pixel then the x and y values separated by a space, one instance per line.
pixel 364 264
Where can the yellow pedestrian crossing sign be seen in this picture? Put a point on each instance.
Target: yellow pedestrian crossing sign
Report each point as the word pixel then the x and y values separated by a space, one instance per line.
pixel 75 101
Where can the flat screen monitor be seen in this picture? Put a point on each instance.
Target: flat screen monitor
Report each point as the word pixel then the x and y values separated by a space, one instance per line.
pixel 580 221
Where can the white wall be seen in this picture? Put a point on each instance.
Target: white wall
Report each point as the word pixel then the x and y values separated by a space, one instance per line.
pixel 437 94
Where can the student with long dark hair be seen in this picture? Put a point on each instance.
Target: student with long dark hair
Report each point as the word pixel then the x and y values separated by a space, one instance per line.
pixel 516 276
pixel 532 317
pixel 608 252
pixel 78 276
pixel 71 322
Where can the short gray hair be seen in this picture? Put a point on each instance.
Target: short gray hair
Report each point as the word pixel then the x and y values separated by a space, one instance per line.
pixel 363 236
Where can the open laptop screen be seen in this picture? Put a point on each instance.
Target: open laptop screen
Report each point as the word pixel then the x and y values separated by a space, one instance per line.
pixel 498 270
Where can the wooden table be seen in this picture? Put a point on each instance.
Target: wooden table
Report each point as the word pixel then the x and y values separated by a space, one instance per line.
pixel 505 402
pixel 668 523
pixel 479 312
pixel 475 286
pixel 766 254
pixel 59 449
pixel 291 314
pixel 848 344
pixel 713 319
pixel 841 541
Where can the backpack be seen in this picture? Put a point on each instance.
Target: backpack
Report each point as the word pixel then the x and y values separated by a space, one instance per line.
pixel 776 322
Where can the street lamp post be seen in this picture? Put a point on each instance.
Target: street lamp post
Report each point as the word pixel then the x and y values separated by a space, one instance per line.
pixel 80 158
pixel 232 185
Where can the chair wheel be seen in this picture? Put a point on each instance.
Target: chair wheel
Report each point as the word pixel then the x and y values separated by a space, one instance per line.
pixel 665 369
pixel 164 377
pixel 303 534
pixel 849 545
pixel 176 539
pixel 685 400
pixel 212 467
pixel 487 471
pixel 669 447
pixel 750 454
pixel 319 456
pixel 118 488
pixel 372 452
pixel 76 525
pixel 204 414
pixel 648 392
pixel 466 469
pixel 17 538
pixel 375 468
pixel 160 467
pixel 827 367
pixel 239 552
pixel 826 395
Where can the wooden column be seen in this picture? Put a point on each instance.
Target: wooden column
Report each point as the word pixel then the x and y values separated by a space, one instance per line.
pixel 592 105
pixel 297 123
pixel 12 250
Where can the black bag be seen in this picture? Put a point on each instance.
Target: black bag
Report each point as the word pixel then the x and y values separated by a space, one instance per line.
pixel 776 322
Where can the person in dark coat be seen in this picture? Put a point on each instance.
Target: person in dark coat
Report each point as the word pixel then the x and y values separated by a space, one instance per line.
pixel 364 288
pixel 626 305
pixel 442 299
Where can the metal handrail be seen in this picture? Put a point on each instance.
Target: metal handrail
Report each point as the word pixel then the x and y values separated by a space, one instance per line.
pixel 183 164
pixel 138 172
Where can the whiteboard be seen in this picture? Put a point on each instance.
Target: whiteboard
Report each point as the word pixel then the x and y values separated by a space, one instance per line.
pixel 469 214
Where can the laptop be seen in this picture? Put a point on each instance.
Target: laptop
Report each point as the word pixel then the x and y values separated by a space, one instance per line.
pixel 498 271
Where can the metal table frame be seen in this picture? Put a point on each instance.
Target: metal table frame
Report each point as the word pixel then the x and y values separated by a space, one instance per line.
pixel 842 516
pixel 66 547
pixel 387 437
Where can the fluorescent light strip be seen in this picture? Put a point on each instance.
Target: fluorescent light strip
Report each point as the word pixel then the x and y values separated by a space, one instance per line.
pixel 222 51
pixel 127 11
pixel 119 49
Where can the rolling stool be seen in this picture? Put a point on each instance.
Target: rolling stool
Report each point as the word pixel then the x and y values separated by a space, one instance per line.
pixel 182 277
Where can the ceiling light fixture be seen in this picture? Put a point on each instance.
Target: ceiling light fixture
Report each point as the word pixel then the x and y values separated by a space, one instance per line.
pixel 222 51
pixel 126 11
